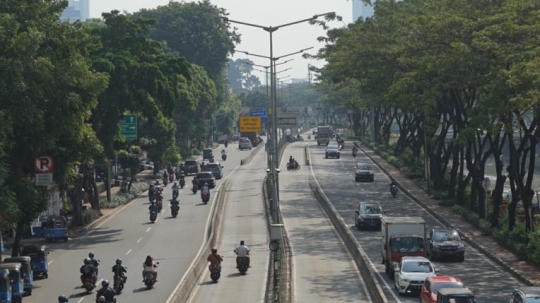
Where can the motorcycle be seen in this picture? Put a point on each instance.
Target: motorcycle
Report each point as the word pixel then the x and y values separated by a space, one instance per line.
pixel 153 216
pixel 226 144
pixel 89 284
pixel 182 182
pixel 118 284
pixel 159 203
pixel 175 194
pixel 171 177
pixel 194 188
pixel 205 196
pixel 165 181
pixel 393 190
pixel 149 280
pixel 224 157
pixel 354 152
pixel 101 299
pixel 174 210
pixel 243 266
pixel 215 274
pixel 211 160
pixel 295 166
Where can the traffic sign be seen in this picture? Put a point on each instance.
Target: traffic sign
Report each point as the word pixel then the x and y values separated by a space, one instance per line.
pixel 129 127
pixel 287 120
pixel 250 124
pixel 260 113
pixel 44 179
pixel 43 164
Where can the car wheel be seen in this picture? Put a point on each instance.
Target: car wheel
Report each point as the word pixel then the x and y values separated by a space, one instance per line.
pixel 358 226
pixel 338 157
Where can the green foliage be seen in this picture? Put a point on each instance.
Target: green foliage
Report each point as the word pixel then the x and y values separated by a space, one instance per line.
pixel 90 215
pixel 122 198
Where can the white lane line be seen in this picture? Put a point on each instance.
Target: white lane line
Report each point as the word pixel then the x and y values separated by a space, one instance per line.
pixel 139 240
pixel 200 249
pixel 50 262
pixel 80 300
pixel 128 252
pixel 157 220
pixel 149 228
pixel 390 289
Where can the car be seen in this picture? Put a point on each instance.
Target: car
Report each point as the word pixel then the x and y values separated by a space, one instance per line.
pixel 364 172
pixel 445 244
pixel 456 295
pixel 332 150
pixel 529 294
pixel 191 167
pixel 244 144
pixel 206 176
pixel 369 215
pixel 215 168
pixel 410 274
pixel 432 285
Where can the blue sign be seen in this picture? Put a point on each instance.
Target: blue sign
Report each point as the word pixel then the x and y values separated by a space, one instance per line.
pixel 260 113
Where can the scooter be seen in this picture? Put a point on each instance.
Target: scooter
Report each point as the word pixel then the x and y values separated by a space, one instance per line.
pixel 89 284
pixel 243 266
pixel 118 284
pixel 182 182
pixel 175 194
pixel 205 196
pixel 174 210
pixel 224 157
pixel 159 203
pixel 195 188
pixel 296 166
pixel 393 190
pixel 153 216
pixel 215 274
pixel 165 181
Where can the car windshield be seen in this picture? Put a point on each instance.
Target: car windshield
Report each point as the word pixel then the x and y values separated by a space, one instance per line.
pixel 204 176
pixel 414 266
pixel 190 163
pixel 363 167
pixel 441 285
pixel 332 147
pixel 407 244
pixel 372 209
pixel 212 167
pixel 440 236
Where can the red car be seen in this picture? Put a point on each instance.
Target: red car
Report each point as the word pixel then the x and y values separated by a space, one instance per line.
pixel 431 286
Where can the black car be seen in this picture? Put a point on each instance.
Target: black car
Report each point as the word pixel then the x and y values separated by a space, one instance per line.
pixel 332 151
pixel 364 172
pixel 191 167
pixel 445 244
pixel 368 215
pixel 206 177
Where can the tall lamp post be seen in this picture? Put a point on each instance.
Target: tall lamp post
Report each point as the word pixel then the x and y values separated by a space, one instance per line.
pixel 274 146
pixel 266 67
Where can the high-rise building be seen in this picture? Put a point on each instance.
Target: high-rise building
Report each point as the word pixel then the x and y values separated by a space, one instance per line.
pixel 360 9
pixel 77 10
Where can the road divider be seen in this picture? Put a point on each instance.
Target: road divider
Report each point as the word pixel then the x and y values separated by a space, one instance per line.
pixel 306 155
pixel 199 265
pixel 252 154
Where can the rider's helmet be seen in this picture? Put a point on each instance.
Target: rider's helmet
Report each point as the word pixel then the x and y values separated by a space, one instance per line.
pixel 214 250
pixel 175 183
pixel 242 242
pixel 157 182
pixel 91 255
pixel 205 183
pixel 118 262
pixel 105 283
pixel 101 299
pixel 62 299
pixel 87 261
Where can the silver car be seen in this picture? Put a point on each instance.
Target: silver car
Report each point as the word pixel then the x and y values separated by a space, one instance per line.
pixel 244 144
pixel 364 172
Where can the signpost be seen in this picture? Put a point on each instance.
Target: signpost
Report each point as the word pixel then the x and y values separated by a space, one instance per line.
pixel 43 166
pixel 250 124
pixel 260 113
pixel 287 120
pixel 129 127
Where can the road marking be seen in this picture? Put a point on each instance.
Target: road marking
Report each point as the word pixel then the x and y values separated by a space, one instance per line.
pixel 149 228
pixel 128 252
pixel 50 262
pixel 80 300
pixel 139 240
pixel 368 259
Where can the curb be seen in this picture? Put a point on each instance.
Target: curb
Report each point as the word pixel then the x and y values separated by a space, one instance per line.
pixel 469 241
pixel 250 157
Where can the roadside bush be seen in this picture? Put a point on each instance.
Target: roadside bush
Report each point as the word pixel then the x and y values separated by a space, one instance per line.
pixel 122 198
pixel 89 215
pixel 196 152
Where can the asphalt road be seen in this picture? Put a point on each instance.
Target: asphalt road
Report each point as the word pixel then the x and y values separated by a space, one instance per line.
pixel 489 282
pixel 244 219
pixel 128 235
pixel 323 271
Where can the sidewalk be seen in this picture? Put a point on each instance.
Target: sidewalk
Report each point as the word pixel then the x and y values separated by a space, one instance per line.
pixel 525 272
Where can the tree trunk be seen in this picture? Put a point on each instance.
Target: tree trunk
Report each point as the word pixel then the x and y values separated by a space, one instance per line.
pixel 75 195
pixel 94 201
pixel 16 249
pixel 454 172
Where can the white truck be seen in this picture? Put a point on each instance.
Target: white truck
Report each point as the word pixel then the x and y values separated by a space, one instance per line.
pixel 323 135
pixel 400 237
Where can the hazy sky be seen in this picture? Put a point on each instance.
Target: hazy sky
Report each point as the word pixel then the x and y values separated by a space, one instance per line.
pixel 267 13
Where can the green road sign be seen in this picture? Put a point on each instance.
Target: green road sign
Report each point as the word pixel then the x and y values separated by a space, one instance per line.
pixel 129 127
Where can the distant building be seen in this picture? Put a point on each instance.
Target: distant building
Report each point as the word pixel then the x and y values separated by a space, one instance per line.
pixel 298 80
pixel 360 9
pixel 77 10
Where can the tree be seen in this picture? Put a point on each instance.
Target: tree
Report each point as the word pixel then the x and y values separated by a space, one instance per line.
pixel 239 74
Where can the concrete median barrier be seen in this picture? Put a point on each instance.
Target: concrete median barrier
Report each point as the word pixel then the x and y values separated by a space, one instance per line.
pixel 252 154
pixel 306 155
pixel 357 252
pixel 200 265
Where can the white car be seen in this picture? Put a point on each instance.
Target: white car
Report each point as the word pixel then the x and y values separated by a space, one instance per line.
pixel 410 274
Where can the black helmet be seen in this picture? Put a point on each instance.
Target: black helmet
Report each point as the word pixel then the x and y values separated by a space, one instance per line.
pixel 118 261
pixel 214 250
pixel 87 261
pixel 105 283
pixel 62 299
pixel 242 242
pixel 90 255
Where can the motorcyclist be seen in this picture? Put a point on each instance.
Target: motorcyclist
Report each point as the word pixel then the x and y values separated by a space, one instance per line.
pixel 205 190
pixel 150 266
pixel 94 261
pixel 63 299
pixel 153 207
pixel 175 202
pixel 88 270
pixel 175 187
pixel 215 260
pixel 223 153
pixel 202 165
pixel 292 161
pixel 165 176
pixel 151 192
pixel 106 292
pixel 120 270
pixel 226 143
pixel 195 182
pixel 242 251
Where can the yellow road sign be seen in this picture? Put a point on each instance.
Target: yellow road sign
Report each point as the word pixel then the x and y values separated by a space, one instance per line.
pixel 250 124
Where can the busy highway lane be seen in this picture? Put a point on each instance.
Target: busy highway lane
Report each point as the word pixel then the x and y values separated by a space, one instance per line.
pixel 489 282
pixel 129 235
pixel 323 271
pixel 243 219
